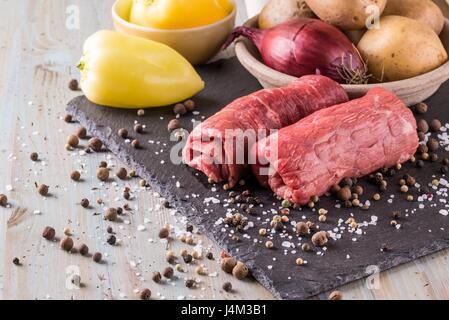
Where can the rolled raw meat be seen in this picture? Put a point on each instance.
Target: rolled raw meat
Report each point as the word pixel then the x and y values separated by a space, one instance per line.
pixel 219 146
pixel 352 139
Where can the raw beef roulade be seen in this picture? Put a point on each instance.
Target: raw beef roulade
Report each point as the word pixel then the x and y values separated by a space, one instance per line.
pixel 352 139
pixel 219 146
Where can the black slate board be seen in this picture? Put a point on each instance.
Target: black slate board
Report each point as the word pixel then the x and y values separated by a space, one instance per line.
pixel 422 231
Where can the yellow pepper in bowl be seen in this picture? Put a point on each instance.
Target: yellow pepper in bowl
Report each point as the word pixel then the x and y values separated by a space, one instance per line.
pixel 179 14
pixel 125 71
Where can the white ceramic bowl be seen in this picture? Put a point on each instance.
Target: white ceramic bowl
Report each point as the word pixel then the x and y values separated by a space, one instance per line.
pixel 411 91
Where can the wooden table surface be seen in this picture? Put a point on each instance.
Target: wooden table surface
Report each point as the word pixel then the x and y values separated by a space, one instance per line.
pixel 40 42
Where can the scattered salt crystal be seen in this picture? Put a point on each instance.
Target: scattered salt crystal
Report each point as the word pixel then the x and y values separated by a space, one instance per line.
pixel 141 228
pixel 444 212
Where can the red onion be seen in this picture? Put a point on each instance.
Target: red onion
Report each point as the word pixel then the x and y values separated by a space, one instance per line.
pixel 307 46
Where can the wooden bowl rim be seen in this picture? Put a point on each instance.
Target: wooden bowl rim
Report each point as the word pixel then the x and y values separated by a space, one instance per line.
pixel 434 77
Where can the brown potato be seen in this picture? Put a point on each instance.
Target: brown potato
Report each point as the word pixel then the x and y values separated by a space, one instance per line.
pixel 279 11
pixel 345 14
pixel 401 48
pixel 422 10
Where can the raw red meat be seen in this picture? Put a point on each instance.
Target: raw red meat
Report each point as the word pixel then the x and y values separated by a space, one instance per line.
pixel 218 147
pixel 352 139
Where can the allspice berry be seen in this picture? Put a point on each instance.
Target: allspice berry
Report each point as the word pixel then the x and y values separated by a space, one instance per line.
pixel 111 214
pixel 34 156
pixel 164 233
pixel 305 247
pixel 3 200
pixel 122 173
pixel 81 133
pixel 421 108
pixel 49 233
pixel 319 238
pixel 73 141
pixel 145 294
pixel 97 257
pixel 83 249
pixel 190 105
pixel 102 174
pixel 344 194
pixel 43 190
pixel 228 264
pixel 302 228
pixel 68 118
pixel 66 243
pixel 179 109
pixel 174 124
pixel 240 271
pixel 74 85
pixel 95 144
pixel 135 144
pixel 423 126
pixel 123 133
pixel 75 175
pixel 435 125
pixel 168 272
pixel 138 128
pixel 433 144
pixel 111 239
pixel 157 277
pixel 335 295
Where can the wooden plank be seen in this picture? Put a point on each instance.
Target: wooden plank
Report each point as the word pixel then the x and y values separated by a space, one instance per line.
pixel 36 52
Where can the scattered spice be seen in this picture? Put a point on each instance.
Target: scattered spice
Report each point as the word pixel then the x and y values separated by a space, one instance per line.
pixel 323 218
pixel 190 105
pixel 187 258
pixel 170 257
pixel 240 271
pixel 174 124
pixel 421 108
pixel 190 283
pixel 135 144
pixel 73 141
pixel 140 112
pixel 305 247
pixel 433 144
pixel 49 233
pixel 168 272
pixel 269 244
pixel 344 194
pixel 164 233
pixel 138 128
pixel 16 261
pixel 404 189
pixel 156 277
pixel 210 256
pixel 227 287
pixel 74 85
pixel 435 125
pixel 145 294
pixel 299 262
pixel 83 249
pixel 123 133
pixel 302 228
pixel 68 118
pixel 81 133
pixel 423 126
pixel 200 270
pixel 3 200
pixel 179 109
pixel 67 231
pixel 109 229
pixel 122 173
pixel 34 156
pixel 228 264
pixel 75 175
pixel 102 174
pixel 95 144
pixel 66 243
pixel 43 190
pixel 320 238
pixel 335 295
pixel 111 239
pixel 97 257
pixel 111 214
pixel 85 203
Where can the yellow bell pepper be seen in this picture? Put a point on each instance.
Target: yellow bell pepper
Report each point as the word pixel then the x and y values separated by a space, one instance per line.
pixel 179 14
pixel 124 71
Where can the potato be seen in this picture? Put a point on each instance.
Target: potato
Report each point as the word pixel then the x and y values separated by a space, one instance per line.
pixel 279 11
pixel 345 14
pixel 401 48
pixel 422 10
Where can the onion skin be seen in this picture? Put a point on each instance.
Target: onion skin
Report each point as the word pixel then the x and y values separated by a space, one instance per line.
pixel 307 46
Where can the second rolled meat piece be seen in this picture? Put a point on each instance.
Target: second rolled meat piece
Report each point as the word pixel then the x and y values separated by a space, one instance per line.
pixel 352 139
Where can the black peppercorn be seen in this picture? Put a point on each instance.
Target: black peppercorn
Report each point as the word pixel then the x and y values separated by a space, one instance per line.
pixel 420 163
pixel 433 144
pixel 210 256
pixel 74 85
pixel 444 169
pixel 445 161
pixel 85 203
pixel 145 294
pixel 278 226
pixel 189 227
pixel 16 261
pixel 83 249
pixel 190 283
pixel 187 258
pixel 111 239
pixel 97 257
pixel 227 286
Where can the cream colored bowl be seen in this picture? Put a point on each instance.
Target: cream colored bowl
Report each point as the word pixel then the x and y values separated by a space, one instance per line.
pixel 411 91
pixel 197 45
